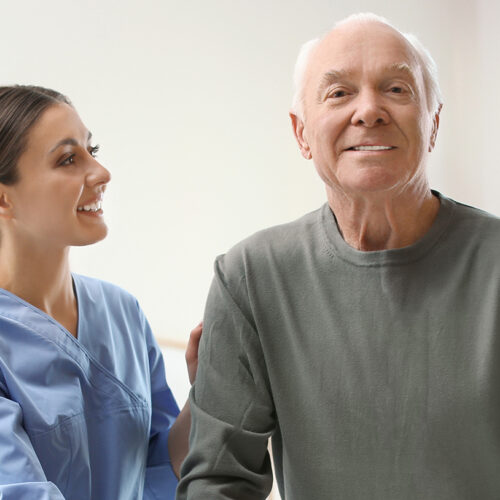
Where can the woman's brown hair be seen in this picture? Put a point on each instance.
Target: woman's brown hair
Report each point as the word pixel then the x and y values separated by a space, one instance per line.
pixel 20 107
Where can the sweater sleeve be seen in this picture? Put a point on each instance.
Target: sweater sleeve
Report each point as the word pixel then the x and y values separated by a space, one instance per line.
pixel 232 409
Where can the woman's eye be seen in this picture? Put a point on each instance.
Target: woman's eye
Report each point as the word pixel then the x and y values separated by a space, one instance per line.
pixel 69 160
pixel 94 150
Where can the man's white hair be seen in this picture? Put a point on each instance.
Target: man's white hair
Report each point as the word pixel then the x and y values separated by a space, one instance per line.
pixel 425 60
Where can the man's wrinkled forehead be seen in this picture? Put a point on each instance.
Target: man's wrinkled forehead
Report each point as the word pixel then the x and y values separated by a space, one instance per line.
pixel 334 51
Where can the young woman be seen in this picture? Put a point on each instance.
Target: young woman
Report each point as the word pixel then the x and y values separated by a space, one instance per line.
pixel 85 410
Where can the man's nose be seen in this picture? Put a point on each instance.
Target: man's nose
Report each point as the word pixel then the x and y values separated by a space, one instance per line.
pixel 369 110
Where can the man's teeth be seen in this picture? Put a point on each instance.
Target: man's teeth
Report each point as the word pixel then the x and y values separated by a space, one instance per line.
pixel 94 207
pixel 371 148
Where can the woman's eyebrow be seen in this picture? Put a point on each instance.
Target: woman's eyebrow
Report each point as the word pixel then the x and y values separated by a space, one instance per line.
pixel 69 140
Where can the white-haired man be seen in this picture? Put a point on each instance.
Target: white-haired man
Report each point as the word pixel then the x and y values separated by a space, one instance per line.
pixel 364 337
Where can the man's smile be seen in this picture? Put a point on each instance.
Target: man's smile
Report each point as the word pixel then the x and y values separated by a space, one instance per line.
pixel 371 148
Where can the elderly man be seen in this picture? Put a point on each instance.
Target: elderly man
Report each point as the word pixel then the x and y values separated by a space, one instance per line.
pixel 364 337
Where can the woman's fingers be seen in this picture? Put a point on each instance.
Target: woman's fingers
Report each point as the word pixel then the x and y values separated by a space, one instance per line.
pixel 192 351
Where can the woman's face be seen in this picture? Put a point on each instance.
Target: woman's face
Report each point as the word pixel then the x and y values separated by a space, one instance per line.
pixel 57 200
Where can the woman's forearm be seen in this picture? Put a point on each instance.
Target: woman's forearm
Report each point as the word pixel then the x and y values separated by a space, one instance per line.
pixel 178 438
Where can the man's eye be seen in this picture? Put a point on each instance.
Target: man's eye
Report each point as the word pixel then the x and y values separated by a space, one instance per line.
pixel 337 94
pixel 396 90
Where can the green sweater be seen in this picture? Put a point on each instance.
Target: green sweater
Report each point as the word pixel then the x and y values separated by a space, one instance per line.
pixel 376 374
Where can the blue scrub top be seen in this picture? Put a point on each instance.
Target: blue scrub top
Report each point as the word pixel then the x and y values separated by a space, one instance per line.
pixel 84 418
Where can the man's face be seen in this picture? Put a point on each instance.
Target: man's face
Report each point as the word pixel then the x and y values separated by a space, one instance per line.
pixel 366 124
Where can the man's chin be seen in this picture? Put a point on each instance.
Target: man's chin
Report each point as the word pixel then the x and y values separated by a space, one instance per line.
pixel 367 180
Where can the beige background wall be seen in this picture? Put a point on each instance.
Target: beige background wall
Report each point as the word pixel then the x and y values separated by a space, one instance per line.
pixel 189 101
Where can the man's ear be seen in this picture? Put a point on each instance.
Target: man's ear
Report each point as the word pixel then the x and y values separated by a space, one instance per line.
pixel 298 130
pixel 435 127
pixel 6 207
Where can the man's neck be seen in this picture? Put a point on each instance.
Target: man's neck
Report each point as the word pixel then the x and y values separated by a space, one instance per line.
pixel 383 222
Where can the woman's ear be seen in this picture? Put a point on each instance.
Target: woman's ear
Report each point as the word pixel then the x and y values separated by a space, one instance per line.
pixel 6 207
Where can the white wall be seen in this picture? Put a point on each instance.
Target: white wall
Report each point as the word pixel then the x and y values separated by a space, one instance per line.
pixel 189 101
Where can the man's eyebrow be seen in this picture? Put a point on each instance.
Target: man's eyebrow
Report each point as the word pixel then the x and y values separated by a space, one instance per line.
pixel 69 140
pixel 330 77
pixel 402 68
